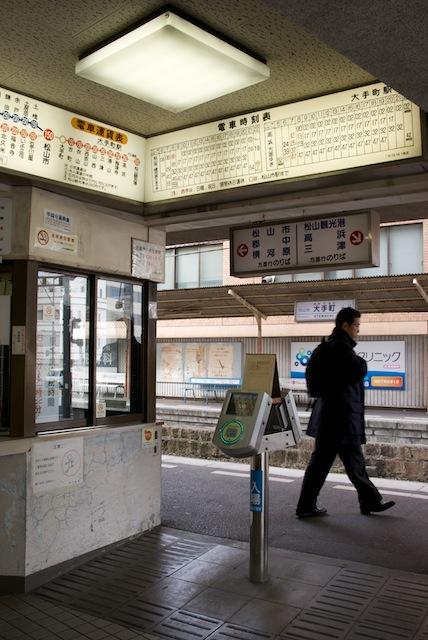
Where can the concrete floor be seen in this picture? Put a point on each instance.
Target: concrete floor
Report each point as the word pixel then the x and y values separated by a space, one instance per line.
pixel 173 584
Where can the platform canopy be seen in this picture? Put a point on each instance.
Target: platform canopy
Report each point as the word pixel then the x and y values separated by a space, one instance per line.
pixel 384 294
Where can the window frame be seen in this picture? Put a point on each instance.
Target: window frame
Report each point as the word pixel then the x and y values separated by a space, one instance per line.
pixel 30 426
pixel 199 249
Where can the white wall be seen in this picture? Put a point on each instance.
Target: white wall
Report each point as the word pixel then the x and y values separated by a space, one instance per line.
pixel 119 497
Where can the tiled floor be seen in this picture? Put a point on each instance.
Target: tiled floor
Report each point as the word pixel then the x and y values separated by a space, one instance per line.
pixel 182 586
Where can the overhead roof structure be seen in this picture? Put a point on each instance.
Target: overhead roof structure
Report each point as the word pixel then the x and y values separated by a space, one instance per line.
pixel 313 48
pixel 373 295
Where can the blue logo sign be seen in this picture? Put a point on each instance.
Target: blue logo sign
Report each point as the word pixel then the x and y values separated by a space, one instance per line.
pixel 256 490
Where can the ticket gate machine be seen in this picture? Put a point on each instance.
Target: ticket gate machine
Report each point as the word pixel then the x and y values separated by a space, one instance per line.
pixel 252 424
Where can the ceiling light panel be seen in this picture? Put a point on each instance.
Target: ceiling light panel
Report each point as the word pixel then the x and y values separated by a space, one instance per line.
pixel 173 64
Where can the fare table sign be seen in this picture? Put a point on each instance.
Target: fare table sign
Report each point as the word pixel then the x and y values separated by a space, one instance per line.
pixel 39 139
pixel 342 241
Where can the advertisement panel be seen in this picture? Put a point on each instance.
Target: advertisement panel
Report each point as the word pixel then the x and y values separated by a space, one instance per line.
pixel 385 362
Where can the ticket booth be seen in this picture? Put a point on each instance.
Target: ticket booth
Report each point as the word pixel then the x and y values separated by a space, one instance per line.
pixel 79 445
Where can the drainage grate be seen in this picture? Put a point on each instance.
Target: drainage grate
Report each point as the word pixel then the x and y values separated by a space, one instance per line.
pixel 185 625
pixel 141 614
pixel 234 632
pixel 314 624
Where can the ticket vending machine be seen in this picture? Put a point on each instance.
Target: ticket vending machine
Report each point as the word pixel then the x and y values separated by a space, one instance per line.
pixel 253 424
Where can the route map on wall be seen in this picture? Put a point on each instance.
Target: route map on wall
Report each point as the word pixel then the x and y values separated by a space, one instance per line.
pixel 354 128
pixel 42 140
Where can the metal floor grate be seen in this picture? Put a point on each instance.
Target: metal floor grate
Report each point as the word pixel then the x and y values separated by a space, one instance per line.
pixel 315 624
pixel 235 632
pixel 186 625
pixel 112 585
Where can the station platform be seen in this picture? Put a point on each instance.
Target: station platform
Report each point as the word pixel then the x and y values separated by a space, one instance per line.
pixel 174 584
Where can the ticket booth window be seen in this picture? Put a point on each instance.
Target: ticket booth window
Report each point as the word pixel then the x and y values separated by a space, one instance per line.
pixel 62 348
pixel 119 341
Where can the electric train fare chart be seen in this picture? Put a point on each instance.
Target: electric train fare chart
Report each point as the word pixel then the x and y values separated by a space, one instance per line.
pixel 359 127
pixel 42 140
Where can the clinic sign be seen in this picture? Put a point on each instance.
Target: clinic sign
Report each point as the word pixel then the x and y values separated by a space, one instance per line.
pixel 386 364
pixel 342 241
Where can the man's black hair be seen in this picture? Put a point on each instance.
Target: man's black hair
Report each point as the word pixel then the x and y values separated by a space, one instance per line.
pixel 348 314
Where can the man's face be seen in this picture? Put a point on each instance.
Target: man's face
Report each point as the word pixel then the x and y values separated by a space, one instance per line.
pixel 352 329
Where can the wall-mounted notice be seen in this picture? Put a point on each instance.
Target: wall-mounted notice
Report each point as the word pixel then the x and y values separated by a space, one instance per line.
pixel 318 244
pixel 148 260
pixel 42 140
pixel 59 241
pixel 5 224
pixel 354 128
pixel 57 464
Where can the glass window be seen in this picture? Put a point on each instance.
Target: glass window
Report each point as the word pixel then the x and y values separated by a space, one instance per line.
pixel 62 349
pixel 310 275
pixel 119 340
pixel 211 266
pixel 340 274
pixel 5 300
pixel 187 267
pixel 405 249
pixel 382 269
pixel 169 271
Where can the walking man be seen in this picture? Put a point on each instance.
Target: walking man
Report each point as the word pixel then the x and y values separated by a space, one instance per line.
pixel 337 419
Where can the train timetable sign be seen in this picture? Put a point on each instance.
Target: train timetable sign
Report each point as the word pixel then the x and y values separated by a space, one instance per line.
pixel 342 241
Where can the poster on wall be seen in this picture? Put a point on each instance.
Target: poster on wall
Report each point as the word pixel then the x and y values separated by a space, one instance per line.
pixel 170 362
pixel 56 465
pixel 195 360
pixel 385 362
pixel 181 361
pixel 220 360
pixel 42 140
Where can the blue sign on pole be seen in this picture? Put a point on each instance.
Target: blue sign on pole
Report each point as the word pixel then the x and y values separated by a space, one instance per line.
pixel 256 490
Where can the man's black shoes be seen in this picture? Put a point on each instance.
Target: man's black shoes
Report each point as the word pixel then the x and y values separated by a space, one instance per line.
pixel 314 512
pixel 377 508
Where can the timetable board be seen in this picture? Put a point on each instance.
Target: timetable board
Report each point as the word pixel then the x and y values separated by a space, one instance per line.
pixel 39 139
pixel 359 127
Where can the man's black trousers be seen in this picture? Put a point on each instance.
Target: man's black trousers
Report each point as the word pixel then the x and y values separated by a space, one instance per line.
pixel 323 455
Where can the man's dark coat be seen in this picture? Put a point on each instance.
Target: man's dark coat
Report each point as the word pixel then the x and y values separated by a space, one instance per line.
pixel 339 412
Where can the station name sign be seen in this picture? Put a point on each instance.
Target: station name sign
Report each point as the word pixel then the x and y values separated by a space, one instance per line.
pixel 342 241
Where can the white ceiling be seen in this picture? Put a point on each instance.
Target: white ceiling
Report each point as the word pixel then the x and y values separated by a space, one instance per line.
pixel 43 40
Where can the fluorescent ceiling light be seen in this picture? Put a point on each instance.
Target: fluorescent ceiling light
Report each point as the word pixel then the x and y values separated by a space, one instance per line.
pixel 173 64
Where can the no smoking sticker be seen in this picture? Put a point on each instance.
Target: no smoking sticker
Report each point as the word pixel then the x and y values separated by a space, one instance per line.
pixel 43 237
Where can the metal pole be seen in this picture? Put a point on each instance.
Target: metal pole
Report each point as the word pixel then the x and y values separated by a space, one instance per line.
pixel 259 333
pixel 259 515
